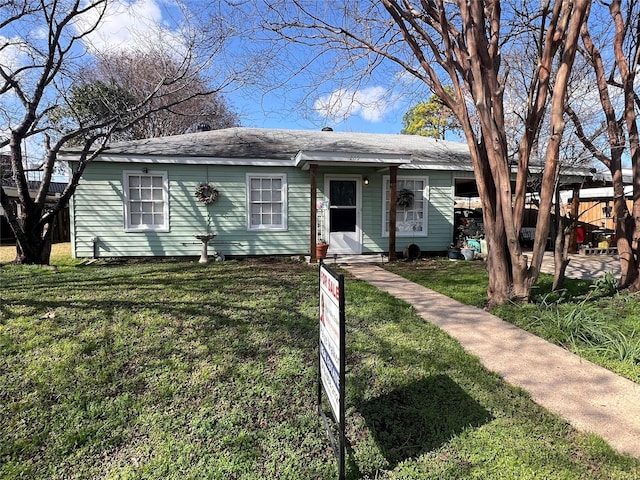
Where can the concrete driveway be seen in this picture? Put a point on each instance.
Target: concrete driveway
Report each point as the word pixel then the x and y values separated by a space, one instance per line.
pixel 586 267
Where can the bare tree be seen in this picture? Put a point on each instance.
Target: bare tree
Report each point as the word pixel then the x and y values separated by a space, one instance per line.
pixel 45 45
pixel 460 43
pixel 619 102
pixel 141 71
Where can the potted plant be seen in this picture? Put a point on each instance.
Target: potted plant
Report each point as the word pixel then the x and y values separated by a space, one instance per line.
pixel 454 253
pixel 467 251
pixel 321 249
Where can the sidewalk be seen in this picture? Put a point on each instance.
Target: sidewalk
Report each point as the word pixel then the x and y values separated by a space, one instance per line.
pixel 589 397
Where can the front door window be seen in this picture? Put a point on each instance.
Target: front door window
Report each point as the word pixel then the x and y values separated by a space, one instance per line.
pixel 344 215
pixel 342 199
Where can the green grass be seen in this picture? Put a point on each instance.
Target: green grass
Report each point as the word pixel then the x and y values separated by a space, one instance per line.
pixel 587 317
pixel 176 370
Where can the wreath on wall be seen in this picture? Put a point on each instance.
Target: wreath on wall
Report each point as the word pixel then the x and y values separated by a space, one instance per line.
pixel 405 198
pixel 207 193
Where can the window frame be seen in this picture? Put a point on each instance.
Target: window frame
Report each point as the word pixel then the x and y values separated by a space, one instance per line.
pixel 386 181
pixel 284 225
pixel 127 211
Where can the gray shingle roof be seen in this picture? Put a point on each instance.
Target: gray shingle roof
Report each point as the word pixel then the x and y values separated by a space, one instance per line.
pixel 272 144
pixel 54 187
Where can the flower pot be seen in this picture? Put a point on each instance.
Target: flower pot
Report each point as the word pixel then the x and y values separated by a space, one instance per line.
pixel 454 254
pixel 468 253
pixel 411 251
pixel 321 250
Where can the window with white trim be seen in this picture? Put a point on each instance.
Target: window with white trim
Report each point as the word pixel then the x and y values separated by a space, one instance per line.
pixel 411 221
pixel 146 202
pixel 266 202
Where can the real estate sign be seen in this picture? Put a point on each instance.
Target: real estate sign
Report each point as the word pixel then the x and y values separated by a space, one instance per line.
pixel 330 334
pixel 332 353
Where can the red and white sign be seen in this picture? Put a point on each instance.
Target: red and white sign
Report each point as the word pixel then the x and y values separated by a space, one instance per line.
pixel 330 338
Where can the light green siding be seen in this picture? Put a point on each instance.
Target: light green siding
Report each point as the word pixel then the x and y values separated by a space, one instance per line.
pixel 439 213
pixel 97 211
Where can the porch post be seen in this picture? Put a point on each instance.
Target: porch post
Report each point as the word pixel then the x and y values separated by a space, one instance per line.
pixel 313 222
pixel 393 180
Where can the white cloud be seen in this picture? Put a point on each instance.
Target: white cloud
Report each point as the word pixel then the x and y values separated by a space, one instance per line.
pixel 12 53
pixel 134 25
pixel 371 104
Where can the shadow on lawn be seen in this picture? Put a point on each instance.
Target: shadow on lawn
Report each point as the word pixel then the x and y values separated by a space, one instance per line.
pixel 420 417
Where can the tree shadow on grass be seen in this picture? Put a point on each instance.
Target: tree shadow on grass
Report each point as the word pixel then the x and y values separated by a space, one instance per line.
pixel 420 417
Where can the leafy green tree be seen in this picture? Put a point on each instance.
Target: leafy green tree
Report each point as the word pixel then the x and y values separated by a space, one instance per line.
pixel 91 104
pixel 430 119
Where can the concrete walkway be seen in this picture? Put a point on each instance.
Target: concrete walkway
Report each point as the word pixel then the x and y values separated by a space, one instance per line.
pixel 587 267
pixel 589 397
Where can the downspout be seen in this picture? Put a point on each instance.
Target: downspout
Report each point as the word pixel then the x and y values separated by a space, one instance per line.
pixel 96 249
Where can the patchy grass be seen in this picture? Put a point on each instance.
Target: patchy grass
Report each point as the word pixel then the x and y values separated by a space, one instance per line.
pixel 587 317
pixel 176 370
pixel 60 253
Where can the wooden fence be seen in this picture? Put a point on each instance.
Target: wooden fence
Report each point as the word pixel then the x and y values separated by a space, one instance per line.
pixel 61 229
pixel 599 214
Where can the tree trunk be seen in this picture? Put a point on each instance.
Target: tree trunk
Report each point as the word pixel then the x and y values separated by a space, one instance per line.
pixel 627 224
pixel 563 233
pixel 573 218
pixel 625 228
pixel 498 267
pixel 33 244
pixel 628 76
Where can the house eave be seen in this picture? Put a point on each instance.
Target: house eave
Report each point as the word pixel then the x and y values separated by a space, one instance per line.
pixel 188 160
pixel 12 192
pixel 330 159
pixel 437 167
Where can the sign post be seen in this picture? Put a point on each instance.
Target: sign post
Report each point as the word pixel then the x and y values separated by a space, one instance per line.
pixel 332 357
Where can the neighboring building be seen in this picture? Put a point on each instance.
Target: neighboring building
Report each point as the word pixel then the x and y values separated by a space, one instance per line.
pixel 61 224
pixel 594 208
pixel 5 166
pixel 138 198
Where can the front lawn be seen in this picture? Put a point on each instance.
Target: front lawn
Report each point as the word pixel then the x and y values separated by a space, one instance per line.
pixel 176 370
pixel 587 317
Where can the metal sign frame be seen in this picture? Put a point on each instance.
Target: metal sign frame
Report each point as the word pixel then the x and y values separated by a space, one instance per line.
pixel 331 370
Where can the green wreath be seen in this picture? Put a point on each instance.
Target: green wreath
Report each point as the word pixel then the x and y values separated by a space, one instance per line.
pixel 405 198
pixel 207 193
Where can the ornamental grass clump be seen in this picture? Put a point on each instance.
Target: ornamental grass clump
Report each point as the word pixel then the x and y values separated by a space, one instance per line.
pixel 582 324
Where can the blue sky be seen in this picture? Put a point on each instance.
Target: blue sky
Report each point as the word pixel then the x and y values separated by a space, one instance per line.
pixel 376 106
pixel 262 98
pixel 370 111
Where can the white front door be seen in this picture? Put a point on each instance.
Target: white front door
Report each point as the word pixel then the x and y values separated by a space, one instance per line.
pixel 343 228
